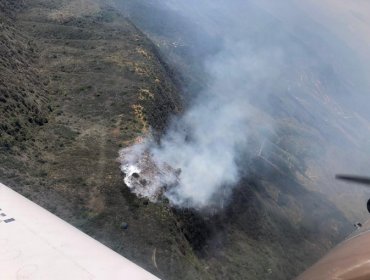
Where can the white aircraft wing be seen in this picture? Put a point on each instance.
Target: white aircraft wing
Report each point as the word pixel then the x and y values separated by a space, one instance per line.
pixel 35 244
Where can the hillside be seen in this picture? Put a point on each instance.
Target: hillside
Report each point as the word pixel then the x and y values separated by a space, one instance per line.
pixel 288 210
pixel 79 81
pixel 23 94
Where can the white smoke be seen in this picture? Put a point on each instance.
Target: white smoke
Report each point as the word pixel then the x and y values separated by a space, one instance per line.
pixel 205 142
pixel 143 176
pixel 251 50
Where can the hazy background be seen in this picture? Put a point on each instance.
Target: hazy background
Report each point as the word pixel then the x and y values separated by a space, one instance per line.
pixel 239 60
pixel 276 96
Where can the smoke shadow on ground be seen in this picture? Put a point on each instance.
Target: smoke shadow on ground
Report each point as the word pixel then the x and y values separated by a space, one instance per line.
pixel 279 214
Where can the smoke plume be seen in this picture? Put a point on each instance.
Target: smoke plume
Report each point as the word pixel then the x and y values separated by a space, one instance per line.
pixel 204 144
pixel 260 61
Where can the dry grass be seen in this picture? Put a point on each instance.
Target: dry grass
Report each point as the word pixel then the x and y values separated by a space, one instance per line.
pixel 74 9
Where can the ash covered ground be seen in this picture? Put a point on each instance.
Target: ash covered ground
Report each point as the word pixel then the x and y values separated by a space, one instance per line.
pixel 143 175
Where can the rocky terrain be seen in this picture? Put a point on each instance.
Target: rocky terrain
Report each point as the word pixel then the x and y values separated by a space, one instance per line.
pixel 79 81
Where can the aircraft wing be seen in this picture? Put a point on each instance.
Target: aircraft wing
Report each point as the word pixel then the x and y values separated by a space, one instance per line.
pixel 350 260
pixel 35 244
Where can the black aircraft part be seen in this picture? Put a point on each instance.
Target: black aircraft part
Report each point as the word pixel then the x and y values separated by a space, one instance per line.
pixel 355 179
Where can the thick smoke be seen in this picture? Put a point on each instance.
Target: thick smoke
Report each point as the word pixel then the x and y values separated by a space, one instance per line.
pixel 260 61
pixel 205 142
